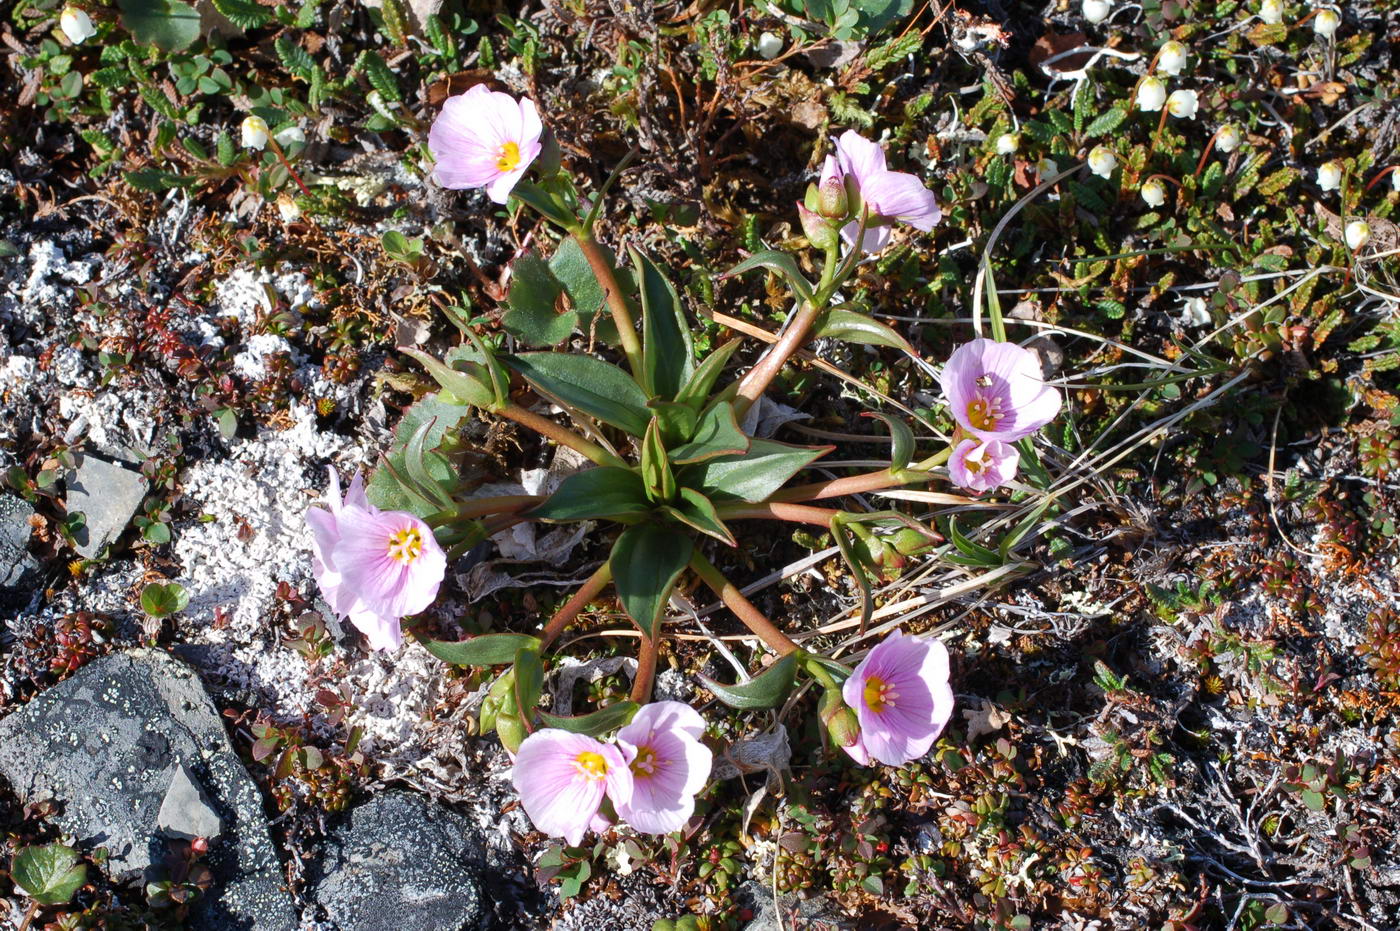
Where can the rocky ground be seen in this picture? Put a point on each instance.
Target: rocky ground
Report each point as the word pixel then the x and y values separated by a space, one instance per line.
pixel 1182 711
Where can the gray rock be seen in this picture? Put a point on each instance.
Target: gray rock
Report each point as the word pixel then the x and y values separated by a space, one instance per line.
pixel 815 914
pixel 107 743
pixel 19 571
pixel 401 863
pixel 186 813
pixel 108 494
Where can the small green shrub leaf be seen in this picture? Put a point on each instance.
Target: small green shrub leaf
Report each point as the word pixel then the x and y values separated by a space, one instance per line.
pixel 50 875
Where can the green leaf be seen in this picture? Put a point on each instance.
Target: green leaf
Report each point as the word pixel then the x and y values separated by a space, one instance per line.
pixel 753 476
pixel 596 723
pixel 974 554
pixel 606 492
pixel 533 316
pixel 678 421
pixel 486 650
pixel 544 204
pixel 469 383
pixel 529 681
pixel 902 445
pixel 570 266
pixel 415 462
pixel 1106 122
pixel 694 509
pixel 646 561
pixel 441 413
pixel 50 875
pixel 380 77
pixel 697 390
pixel 657 478
pixel 717 434
pixel 855 327
pixel 169 25
pixel 668 355
pixel 157 180
pixel 590 385
pixel 1313 799
pixel 245 14
pixel 768 689
pixel 164 599
pixel 296 59
pixel 780 262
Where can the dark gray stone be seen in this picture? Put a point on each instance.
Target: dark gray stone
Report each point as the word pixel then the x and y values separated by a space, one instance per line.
pixel 19 571
pixel 109 495
pixel 107 743
pixel 401 863
pixel 814 914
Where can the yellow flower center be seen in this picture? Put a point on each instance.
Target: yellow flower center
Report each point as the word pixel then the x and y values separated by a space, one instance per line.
pixel 974 464
pixel 591 764
pixel 645 763
pixel 984 414
pixel 406 545
pixel 510 157
pixel 879 694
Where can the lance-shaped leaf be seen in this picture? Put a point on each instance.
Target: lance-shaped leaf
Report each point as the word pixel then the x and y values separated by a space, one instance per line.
pixel 694 509
pixel 486 650
pixel 768 689
pixel 668 356
pixel 415 461
pixel 594 724
pixel 529 682
pixel 646 561
pixel 697 389
pixel 717 434
pixel 901 441
pixel 389 486
pixel 855 327
pixel 657 477
pixel 753 476
pixel 780 262
pixel 470 384
pixel 973 553
pixel 678 421
pixel 544 204
pixel 606 492
pixel 589 385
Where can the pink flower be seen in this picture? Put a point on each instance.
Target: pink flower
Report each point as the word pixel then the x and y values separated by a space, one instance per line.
pixel 889 195
pixel 901 698
pixel 996 392
pixel 669 765
pixel 373 566
pixel 562 778
pixel 979 466
pixel 484 139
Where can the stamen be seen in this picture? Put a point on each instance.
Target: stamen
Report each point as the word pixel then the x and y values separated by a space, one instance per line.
pixel 510 157
pixel 591 765
pixel 645 763
pixel 879 694
pixel 406 545
pixel 984 413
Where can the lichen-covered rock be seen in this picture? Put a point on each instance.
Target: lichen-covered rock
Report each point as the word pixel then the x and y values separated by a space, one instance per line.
pixel 108 742
pixel 402 863
pixel 108 495
pixel 18 570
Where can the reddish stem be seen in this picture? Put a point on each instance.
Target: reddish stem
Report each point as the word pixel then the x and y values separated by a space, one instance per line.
pixel 646 669
pixel 734 600
pixel 586 593
pixel 793 513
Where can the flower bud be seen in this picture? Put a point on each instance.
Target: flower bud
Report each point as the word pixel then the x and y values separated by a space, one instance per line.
pixel 1096 11
pixel 1329 176
pixel 76 25
pixel 1008 143
pixel 1271 11
pixel 1182 104
pixel 289 135
pixel 819 231
pixel 1102 161
pixel 832 199
pixel 1045 167
pixel 512 732
pixel 910 542
pixel 1357 234
pixel 1171 59
pixel 1154 192
pixel 1228 139
pixel 840 720
pixel 1325 23
pixel 769 46
pixel 1152 93
pixel 254 131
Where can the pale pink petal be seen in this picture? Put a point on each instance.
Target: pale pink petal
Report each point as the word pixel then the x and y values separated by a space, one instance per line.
pixel 903 197
pixel 469 134
pixel 860 157
pixel 382 633
pixel 663 716
pixel 560 795
pixel 980 467
pixel 381 583
pixel 831 170
pixel 355 497
pixel 875 238
pixel 915 672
